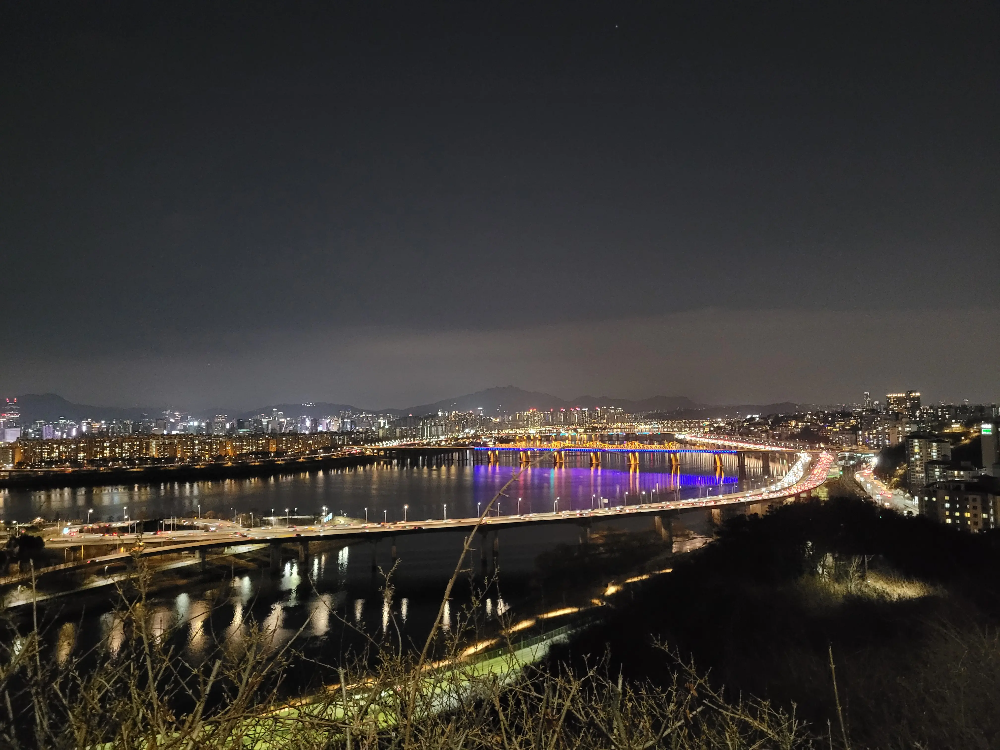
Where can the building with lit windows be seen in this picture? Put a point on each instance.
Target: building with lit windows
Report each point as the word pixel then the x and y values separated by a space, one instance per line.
pixel 972 505
pixel 903 404
pixel 921 449
pixel 136 450
pixel 879 432
pixel 988 438
pixel 10 421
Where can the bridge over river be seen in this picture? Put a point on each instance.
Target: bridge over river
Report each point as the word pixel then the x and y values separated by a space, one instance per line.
pixel 808 472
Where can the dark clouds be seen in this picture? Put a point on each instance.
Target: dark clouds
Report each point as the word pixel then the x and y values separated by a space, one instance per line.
pixel 710 355
pixel 186 178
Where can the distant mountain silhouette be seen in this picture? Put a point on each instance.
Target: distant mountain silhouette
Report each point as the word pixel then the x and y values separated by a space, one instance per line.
pixel 656 403
pixel 492 401
pixel 316 409
pixel 50 407
pixel 738 410
pixel 511 399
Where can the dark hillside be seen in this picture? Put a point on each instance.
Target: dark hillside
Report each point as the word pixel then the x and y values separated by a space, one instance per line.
pixel 908 608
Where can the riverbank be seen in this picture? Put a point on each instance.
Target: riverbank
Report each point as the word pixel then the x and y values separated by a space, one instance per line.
pixel 96 477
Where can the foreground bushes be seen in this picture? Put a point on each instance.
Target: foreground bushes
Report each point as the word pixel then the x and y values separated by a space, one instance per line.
pixel 852 627
pixel 906 609
pixel 143 694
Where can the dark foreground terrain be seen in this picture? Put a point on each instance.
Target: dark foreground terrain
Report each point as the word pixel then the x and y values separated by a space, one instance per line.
pixel 821 625
pixel 898 614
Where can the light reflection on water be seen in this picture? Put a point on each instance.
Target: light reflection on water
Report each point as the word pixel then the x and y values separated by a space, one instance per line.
pixel 319 598
pixel 66 642
pixel 319 614
pixel 385 488
pixel 113 630
pixel 197 641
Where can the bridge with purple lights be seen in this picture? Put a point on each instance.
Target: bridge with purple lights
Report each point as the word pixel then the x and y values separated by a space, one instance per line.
pixel 600 449
pixel 808 472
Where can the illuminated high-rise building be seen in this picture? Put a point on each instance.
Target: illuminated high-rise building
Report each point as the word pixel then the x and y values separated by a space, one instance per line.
pixel 10 421
pixel 922 448
pixel 904 404
pixel 988 437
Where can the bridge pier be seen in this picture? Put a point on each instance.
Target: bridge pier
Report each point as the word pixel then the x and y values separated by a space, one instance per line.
pixel 392 551
pixel 741 465
pixel 585 532
pixel 765 464
pixel 374 555
pixel 274 557
pixel 203 558
pixel 664 527
pixel 303 551
pixel 496 550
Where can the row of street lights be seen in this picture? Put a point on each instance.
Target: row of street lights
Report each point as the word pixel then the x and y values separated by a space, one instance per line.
pixel 406 507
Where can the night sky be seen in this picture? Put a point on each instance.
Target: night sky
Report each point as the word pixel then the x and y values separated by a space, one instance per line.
pixel 392 203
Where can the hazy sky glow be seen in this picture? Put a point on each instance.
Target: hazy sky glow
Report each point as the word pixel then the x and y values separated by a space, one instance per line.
pixel 387 205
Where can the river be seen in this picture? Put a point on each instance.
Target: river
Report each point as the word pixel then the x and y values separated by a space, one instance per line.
pixel 336 589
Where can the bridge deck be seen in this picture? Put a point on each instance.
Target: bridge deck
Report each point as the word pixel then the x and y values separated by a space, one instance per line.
pixel 800 482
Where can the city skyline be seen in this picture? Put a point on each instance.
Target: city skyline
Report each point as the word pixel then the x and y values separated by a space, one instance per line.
pixel 491 401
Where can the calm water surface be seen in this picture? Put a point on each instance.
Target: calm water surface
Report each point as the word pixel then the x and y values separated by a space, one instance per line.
pixel 385 488
pixel 335 590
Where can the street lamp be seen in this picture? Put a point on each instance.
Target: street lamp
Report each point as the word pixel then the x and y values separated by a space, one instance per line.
pixel 405 507
pixel 555 505
pixel 89 511
pixel 366 515
pixel 286 518
pixel 125 513
pixel 385 515
pixel 479 510
pixel 519 506
pixel 592 498
pixel 446 511
pixel 199 511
